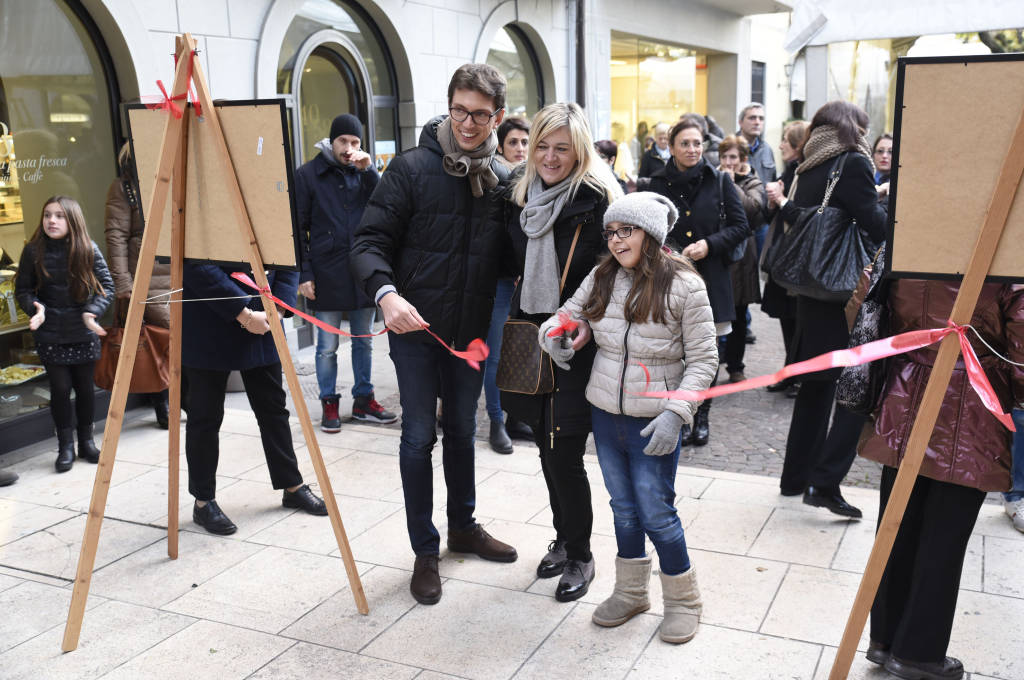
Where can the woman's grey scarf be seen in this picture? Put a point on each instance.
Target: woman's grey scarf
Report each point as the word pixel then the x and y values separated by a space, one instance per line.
pixel 540 274
pixel 475 164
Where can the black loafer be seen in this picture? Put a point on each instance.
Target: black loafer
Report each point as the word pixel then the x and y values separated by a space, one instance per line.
pixel 553 563
pixel 304 499
pixel 831 499
pixel 575 580
pixel 877 653
pixel 211 518
pixel 947 669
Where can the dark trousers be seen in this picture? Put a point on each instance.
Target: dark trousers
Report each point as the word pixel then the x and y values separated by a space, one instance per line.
pixel 206 390
pixel 815 453
pixel 916 600
pixel 788 325
pixel 427 372
pixel 736 341
pixel 63 379
pixel 569 492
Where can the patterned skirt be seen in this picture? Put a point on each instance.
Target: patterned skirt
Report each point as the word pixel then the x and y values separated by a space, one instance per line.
pixel 69 354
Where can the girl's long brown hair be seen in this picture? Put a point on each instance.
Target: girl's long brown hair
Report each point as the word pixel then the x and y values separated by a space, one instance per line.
pixel 652 284
pixel 81 279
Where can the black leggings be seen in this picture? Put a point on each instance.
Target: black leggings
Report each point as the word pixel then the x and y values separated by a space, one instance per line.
pixel 62 380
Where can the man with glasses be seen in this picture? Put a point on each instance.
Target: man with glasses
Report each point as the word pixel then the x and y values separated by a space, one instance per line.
pixel 427 251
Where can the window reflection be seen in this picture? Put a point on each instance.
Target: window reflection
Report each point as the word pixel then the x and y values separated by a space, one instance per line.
pixel 511 53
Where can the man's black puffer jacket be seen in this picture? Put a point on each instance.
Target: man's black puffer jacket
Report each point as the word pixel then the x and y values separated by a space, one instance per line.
pixel 424 233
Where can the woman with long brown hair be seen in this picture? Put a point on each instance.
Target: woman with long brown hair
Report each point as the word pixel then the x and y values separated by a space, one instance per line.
pixel 654 330
pixel 819 456
pixel 64 285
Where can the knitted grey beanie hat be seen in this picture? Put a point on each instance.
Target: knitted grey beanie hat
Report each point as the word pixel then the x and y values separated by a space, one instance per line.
pixel 652 212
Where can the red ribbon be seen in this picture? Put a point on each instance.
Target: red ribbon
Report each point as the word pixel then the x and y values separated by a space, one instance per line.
pixel 474 354
pixel 167 103
pixel 566 326
pixel 854 356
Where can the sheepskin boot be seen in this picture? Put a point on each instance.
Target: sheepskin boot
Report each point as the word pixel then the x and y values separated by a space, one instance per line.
pixel 682 606
pixel 632 576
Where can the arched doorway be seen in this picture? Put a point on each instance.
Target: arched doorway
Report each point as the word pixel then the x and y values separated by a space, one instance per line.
pixel 333 60
pixel 512 53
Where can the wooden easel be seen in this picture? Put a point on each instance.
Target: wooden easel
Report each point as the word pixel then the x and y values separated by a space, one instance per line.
pixel 963 309
pixel 171 172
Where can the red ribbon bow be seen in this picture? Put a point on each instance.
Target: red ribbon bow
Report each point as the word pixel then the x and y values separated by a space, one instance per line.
pixel 854 356
pixel 474 354
pixel 167 103
pixel 566 326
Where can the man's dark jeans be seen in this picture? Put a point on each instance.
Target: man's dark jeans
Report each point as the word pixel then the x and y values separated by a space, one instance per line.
pixel 427 372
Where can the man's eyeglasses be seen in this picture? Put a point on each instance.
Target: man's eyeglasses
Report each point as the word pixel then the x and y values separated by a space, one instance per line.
pixel 621 232
pixel 481 117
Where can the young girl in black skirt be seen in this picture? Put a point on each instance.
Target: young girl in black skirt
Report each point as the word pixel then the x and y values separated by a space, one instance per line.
pixel 63 283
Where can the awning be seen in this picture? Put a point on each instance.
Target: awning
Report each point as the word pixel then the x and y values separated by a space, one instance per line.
pixel 820 22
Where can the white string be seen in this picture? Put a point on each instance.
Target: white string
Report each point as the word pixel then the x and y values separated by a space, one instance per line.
pixel 992 349
pixel 154 301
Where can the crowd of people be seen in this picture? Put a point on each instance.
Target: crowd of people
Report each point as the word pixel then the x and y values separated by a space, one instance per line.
pixel 493 220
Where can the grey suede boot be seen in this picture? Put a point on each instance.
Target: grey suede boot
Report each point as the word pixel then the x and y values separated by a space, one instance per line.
pixel 682 606
pixel 632 576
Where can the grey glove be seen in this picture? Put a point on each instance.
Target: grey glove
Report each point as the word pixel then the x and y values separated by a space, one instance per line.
pixel 559 348
pixel 664 433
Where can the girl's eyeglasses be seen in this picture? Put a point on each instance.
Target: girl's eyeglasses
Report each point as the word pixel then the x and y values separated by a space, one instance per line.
pixel 621 232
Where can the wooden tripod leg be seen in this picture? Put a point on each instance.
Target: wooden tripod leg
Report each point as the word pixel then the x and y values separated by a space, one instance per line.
pixel 174 358
pixel 126 362
pixel 256 263
pixel 928 412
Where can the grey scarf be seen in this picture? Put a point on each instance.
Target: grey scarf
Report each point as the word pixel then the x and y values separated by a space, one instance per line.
pixel 540 273
pixel 475 164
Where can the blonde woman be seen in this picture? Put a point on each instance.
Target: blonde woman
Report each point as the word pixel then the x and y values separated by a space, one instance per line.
pixel 556 205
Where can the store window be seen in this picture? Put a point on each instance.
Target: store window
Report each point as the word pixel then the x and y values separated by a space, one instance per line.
pixel 512 54
pixel 651 83
pixel 56 137
pixel 334 60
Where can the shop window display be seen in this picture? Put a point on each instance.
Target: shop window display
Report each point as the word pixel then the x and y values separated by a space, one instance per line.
pixel 56 137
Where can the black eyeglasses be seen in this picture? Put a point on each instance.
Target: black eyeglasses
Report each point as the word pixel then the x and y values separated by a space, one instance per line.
pixel 621 232
pixel 481 117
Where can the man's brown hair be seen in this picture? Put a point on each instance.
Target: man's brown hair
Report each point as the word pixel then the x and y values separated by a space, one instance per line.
pixel 481 78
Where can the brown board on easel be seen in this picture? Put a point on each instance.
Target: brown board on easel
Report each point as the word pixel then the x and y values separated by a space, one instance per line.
pixel 955 118
pixel 256 134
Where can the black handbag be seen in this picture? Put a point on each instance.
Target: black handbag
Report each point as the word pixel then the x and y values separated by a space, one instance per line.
pixel 523 366
pixel 859 388
pixel 824 251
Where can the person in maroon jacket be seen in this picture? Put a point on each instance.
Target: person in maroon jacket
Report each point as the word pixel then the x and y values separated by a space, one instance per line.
pixel 967 456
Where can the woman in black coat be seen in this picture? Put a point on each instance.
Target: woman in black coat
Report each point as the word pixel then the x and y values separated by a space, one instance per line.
pixel 557 202
pixel 711 224
pixel 818 458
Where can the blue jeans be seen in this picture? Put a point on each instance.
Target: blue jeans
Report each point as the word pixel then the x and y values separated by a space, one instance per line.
pixel 642 490
pixel 502 303
pixel 360 322
pixel 426 372
pixel 1017 469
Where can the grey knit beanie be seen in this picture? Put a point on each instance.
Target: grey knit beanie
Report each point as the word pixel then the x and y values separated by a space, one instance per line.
pixel 652 212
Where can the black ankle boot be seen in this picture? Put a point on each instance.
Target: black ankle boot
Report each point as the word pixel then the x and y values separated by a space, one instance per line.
pixel 499 439
pixel 86 448
pixel 686 436
pixel 65 449
pixel 701 428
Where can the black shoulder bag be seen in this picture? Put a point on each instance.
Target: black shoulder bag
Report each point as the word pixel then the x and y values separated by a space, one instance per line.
pixel 824 251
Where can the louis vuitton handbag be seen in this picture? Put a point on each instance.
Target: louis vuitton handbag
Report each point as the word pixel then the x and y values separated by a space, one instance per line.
pixel 523 367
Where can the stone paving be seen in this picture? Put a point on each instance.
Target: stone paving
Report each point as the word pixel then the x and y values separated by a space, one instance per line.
pixel 272 601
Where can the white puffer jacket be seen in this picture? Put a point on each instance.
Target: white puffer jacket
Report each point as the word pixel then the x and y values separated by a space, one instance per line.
pixel 680 354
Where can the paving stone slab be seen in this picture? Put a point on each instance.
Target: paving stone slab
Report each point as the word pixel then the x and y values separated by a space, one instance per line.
pixel 19 519
pixel 818 536
pixel 204 650
pixel 304 661
pixel 313 533
pixel 812 605
pixel 988 634
pixel 32 608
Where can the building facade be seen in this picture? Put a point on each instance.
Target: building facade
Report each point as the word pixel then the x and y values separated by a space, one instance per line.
pixel 67 67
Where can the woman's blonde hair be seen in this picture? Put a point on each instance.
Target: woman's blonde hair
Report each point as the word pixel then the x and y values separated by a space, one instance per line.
pixel 589 170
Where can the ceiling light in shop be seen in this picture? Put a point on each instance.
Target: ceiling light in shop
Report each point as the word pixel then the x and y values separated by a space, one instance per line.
pixel 69 117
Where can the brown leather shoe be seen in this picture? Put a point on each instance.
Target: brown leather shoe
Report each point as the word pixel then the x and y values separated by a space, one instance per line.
pixel 476 540
pixel 426 582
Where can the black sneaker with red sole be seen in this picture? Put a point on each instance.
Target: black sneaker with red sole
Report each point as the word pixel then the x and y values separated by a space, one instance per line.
pixel 368 410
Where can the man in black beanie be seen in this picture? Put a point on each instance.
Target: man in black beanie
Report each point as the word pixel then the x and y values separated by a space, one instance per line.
pixel 331 191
